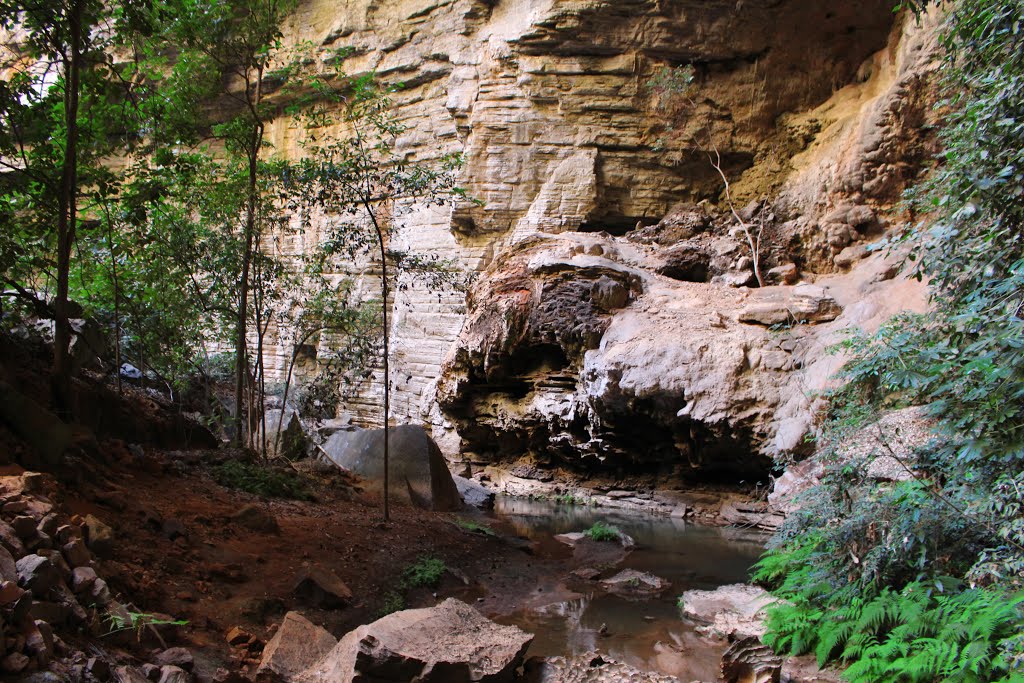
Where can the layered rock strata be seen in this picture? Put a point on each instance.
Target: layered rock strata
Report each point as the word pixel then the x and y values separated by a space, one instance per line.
pixel 606 325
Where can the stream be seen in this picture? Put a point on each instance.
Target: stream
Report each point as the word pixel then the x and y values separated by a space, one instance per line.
pixel 578 616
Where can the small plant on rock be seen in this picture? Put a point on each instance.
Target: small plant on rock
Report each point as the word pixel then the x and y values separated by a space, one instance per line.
pixel 603 532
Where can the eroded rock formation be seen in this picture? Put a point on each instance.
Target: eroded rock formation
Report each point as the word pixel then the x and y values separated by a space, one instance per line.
pixel 611 325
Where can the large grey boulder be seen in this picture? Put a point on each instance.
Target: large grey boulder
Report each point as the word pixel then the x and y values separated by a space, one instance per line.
pixel 418 471
pixel 448 643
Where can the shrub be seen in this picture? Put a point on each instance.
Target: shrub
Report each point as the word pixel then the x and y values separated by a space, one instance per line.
pixel 260 480
pixel 603 532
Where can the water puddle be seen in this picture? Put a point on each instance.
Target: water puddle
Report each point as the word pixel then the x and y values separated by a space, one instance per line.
pixel 645 632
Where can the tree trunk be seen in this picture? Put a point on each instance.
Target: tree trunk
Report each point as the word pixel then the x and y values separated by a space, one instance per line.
pixel 60 381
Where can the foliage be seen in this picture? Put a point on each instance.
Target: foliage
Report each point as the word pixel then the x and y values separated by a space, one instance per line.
pixel 603 532
pixel 924 631
pixel 473 526
pixel 260 479
pixel 920 580
pixel 138 622
pixel 425 572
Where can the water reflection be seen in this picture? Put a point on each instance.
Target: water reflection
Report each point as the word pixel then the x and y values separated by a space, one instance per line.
pixel 647 634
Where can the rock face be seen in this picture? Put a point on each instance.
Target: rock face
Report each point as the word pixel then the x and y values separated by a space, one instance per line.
pixel 418 471
pixel 606 327
pixel 449 643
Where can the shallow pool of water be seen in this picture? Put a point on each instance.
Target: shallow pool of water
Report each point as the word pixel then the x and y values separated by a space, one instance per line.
pixel 645 633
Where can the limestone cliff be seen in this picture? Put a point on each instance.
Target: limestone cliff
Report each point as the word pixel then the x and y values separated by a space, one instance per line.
pixel 612 320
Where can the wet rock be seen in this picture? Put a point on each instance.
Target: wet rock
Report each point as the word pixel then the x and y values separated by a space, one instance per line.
pixel 751 514
pixel 749 661
pixel 449 643
pixel 737 610
pixel 100 537
pixel 36 573
pixel 319 587
pixel 176 656
pixel 296 646
pixel 633 583
pixel 419 473
pixel 256 518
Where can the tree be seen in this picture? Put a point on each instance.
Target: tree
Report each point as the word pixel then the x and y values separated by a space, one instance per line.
pixel 674 86
pixel 236 40
pixel 64 106
pixel 361 182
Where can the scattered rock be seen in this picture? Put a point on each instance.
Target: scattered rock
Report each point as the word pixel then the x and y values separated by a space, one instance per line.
pixel 786 274
pixel 129 674
pixel 633 583
pixel 76 554
pixel 319 587
pixel 256 518
pixel 8 567
pixel 296 646
pixel 176 656
pixel 449 643
pixel 14 663
pixel 236 637
pixel 173 674
pixel 24 526
pixel 736 610
pixel 99 537
pixel 37 574
pixel 82 578
pixel 850 255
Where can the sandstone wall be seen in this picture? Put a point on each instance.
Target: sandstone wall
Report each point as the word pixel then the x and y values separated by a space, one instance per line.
pixel 810 104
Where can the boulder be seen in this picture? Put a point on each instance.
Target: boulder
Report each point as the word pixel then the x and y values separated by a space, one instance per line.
pixel 730 611
pixel 418 472
pixel 686 262
pixel 448 643
pixel 319 587
pixel 297 645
